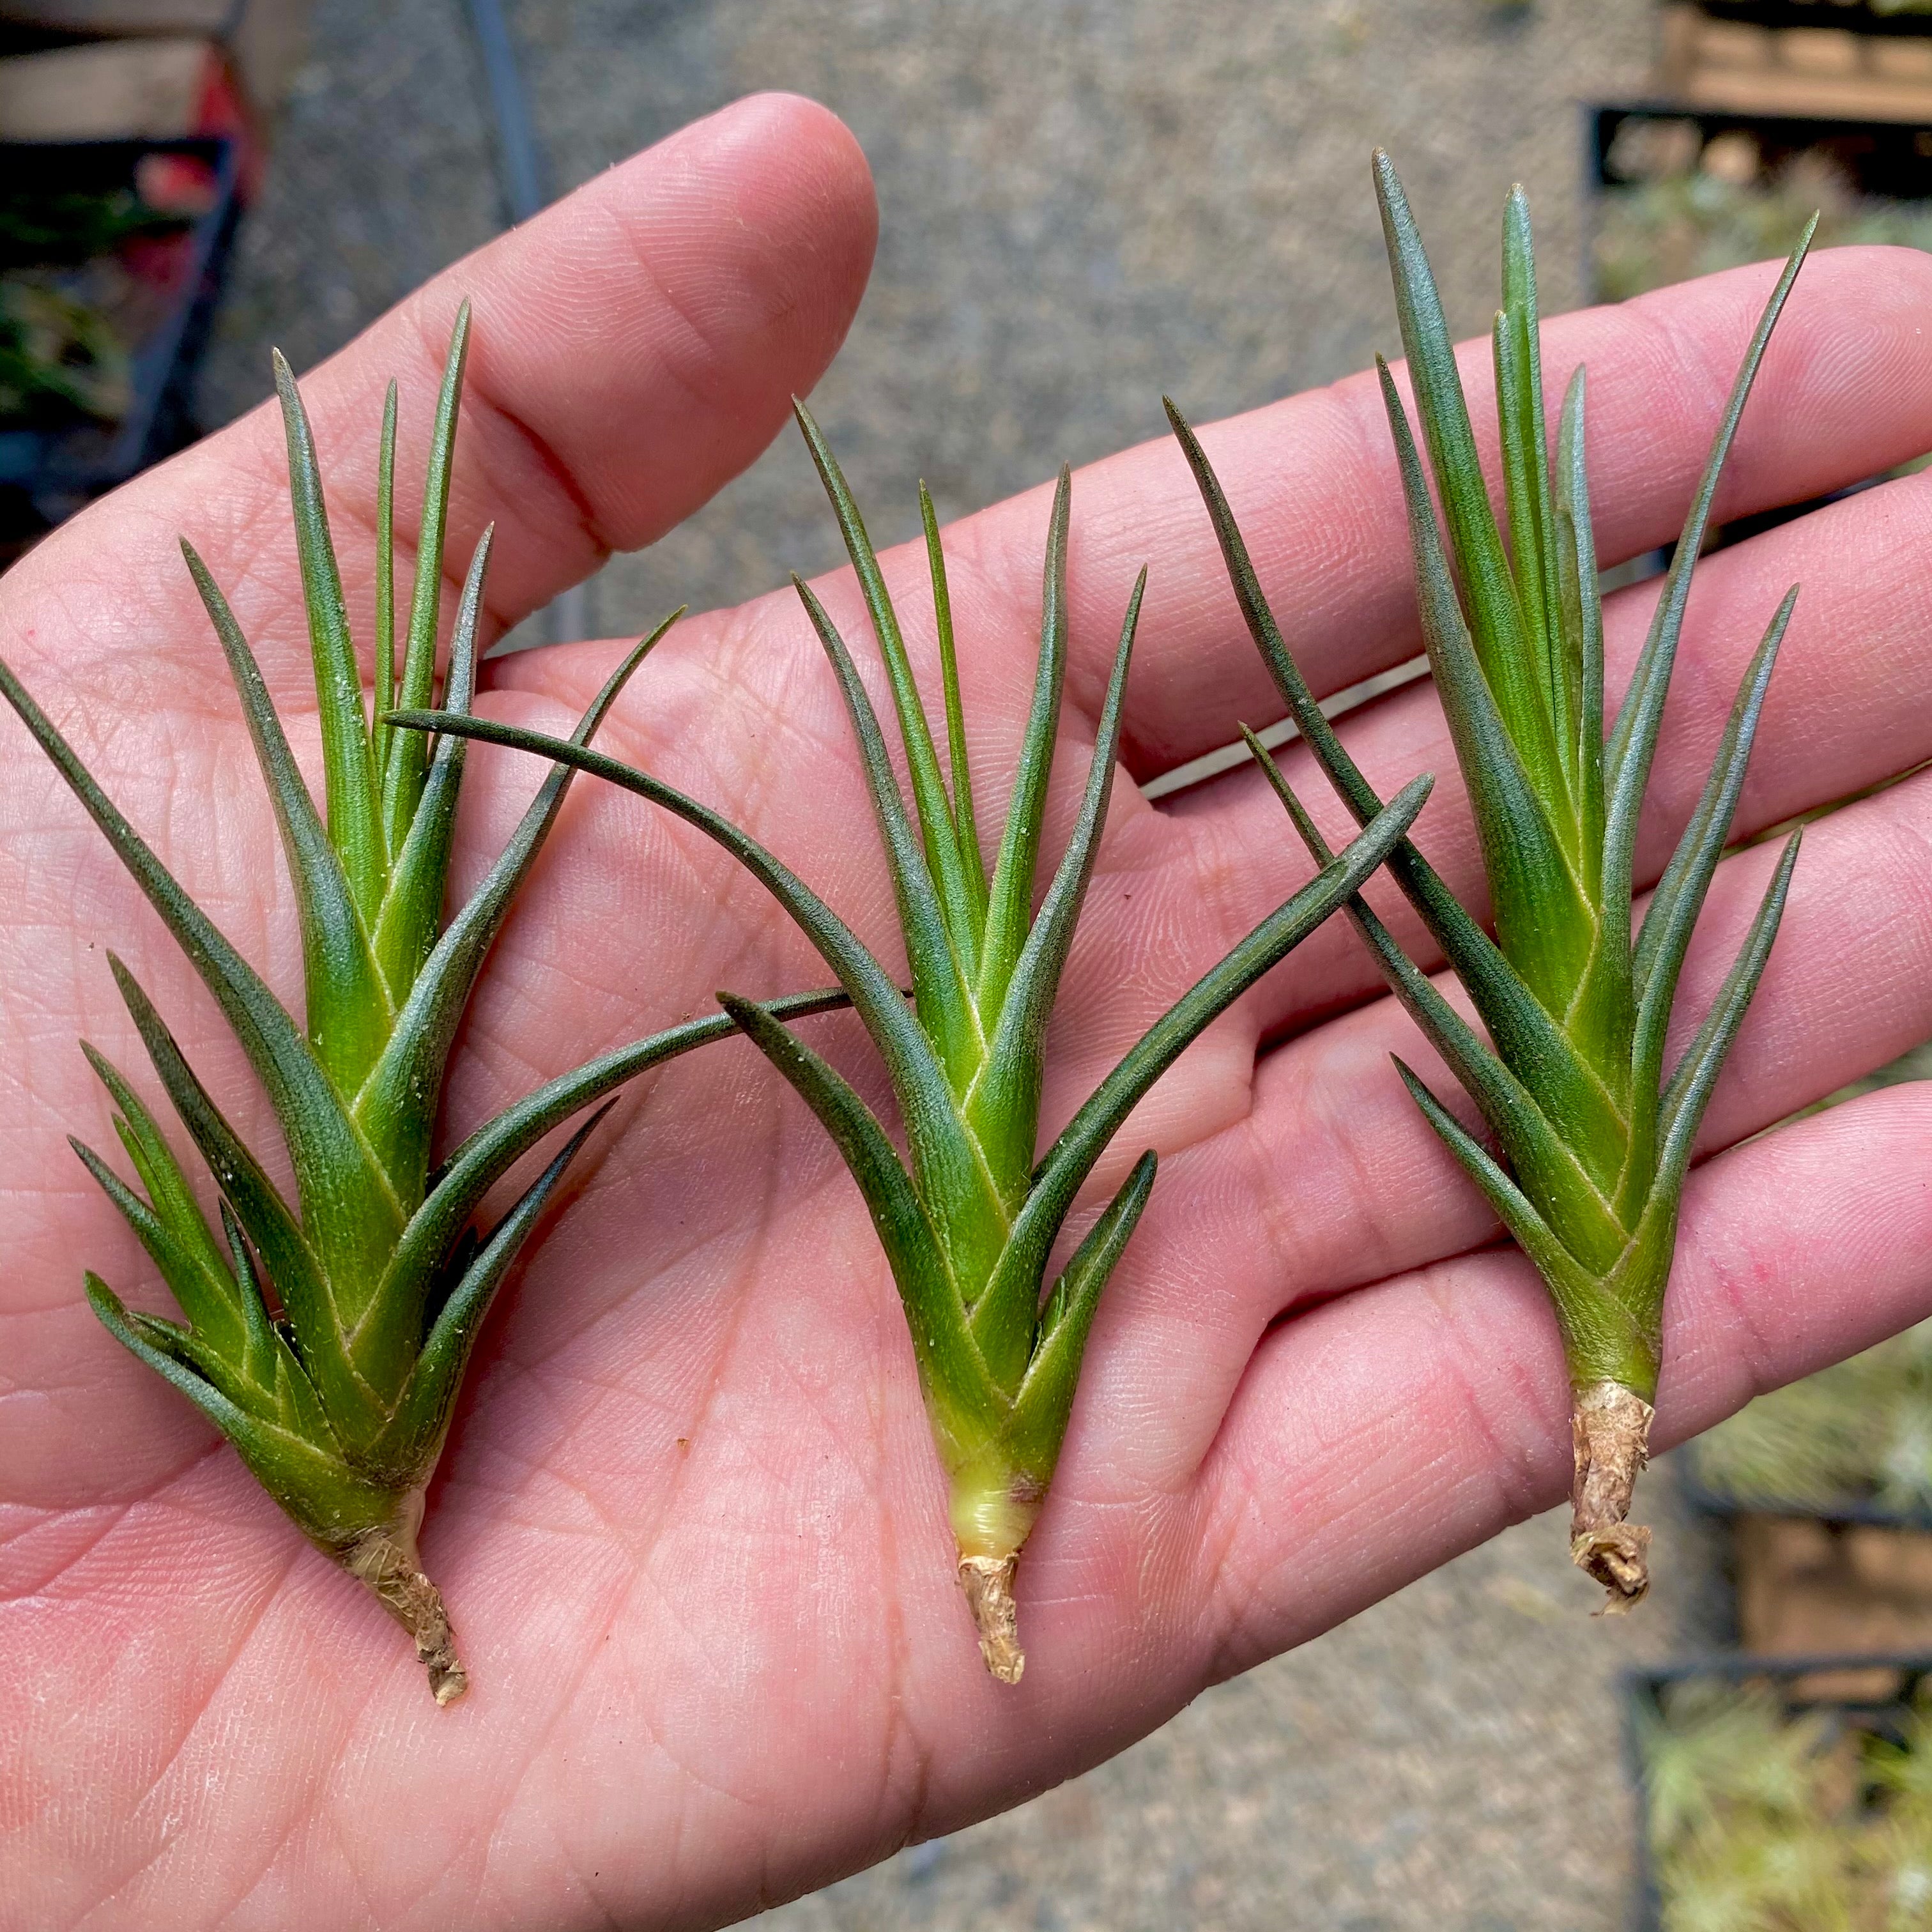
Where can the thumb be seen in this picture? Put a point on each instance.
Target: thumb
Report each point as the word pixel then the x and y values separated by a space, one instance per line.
pixel 633 348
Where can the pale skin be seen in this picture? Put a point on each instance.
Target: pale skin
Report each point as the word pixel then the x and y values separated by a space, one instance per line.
pixel 689 1525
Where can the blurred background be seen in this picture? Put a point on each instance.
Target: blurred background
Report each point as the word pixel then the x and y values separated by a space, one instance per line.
pixel 1083 203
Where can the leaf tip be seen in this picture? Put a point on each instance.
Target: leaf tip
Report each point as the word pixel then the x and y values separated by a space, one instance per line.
pixel 105 1302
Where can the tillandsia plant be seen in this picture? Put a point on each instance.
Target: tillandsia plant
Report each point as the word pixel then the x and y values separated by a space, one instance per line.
pixel 1761 1812
pixel 327 1340
pixel 1594 1139
pixel 969 1224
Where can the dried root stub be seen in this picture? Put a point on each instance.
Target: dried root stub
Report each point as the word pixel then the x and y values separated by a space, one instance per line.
pixel 386 1560
pixel 1609 1429
pixel 988 1581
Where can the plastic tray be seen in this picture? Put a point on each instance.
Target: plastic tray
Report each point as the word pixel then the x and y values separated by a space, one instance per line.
pixel 1642 1690
pixel 46 475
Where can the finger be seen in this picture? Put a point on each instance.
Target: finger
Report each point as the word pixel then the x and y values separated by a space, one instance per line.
pixel 633 348
pixel 1845 392
pixel 1827 409
pixel 1328 1179
pixel 1378 1436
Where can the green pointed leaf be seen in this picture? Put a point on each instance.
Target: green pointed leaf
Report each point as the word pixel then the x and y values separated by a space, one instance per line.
pixel 172 1351
pixel 412 911
pixel 209 1303
pixel 1601 1339
pixel 349 1009
pixel 940 835
pixel 1045 1402
pixel 1665 937
pixel 206 1292
pixel 458 1187
pixel 356 1216
pixel 407 765
pixel 1003 1111
pixel 418 1049
pixel 1633 741
pixel 354 819
pixel 1546 1164
pixel 1531 511
pixel 1544 923
pixel 407 1450
pixel 269 1361
pixel 1580 616
pixel 945 1004
pixel 1501 643
pixel 1526 491
pixel 950 1364
pixel 1689 1093
pixel 325 1497
pixel 299 1275
pixel 1060 1175
pixel 1526 1035
pixel 382 738
pixel 1010 902
pixel 952 1177
pixel 965 826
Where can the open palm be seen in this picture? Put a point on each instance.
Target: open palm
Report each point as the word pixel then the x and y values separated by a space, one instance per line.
pixel 689 1523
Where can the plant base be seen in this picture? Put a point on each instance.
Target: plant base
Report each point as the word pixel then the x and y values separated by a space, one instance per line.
pixel 385 1559
pixel 1609 1429
pixel 988 1581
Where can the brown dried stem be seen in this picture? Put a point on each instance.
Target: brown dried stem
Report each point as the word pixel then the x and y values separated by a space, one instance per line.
pixel 988 1581
pixel 1610 1428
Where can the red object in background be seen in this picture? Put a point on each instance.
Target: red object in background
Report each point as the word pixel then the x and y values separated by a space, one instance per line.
pixel 224 110
pixel 179 184
pixel 165 87
pixel 173 183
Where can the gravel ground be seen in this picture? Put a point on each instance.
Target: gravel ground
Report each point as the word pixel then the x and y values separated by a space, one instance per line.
pixel 1086 202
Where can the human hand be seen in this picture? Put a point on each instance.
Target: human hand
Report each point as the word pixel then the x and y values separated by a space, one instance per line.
pixel 689 1523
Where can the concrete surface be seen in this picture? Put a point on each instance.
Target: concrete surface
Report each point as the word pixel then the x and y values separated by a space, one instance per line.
pixel 1086 202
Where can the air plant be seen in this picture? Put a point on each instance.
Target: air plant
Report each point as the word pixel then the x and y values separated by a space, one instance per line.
pixel 969 1224
pixel 327 1340
pixel 1594 1139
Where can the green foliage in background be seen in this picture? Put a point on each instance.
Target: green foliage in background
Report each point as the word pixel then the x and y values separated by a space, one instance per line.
pixel 1860 1431
pixel 1760 1820
pixel 1687 210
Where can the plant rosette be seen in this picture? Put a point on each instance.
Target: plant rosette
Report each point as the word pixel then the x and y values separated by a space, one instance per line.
pixel 969 1220
pixel 1769 1801
pixel 1593 1136
pixel 327 1338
